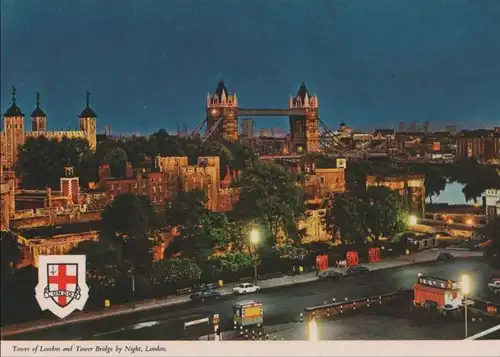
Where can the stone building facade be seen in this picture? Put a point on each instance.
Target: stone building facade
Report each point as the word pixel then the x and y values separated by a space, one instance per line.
pixel 482 145
pixel 14 132
pixel 7 197
pixel 411 188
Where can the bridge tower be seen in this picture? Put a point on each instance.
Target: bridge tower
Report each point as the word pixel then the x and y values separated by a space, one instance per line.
pixel 304 133
pixel 222 112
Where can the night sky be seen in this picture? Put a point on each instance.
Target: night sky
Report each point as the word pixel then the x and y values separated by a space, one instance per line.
pixel 149 64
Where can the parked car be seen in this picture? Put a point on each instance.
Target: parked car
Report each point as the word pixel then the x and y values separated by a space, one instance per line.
pixel 205 295
pixel 445 256
pixel 330 275
pixel 246 288
pixel 494 286
pixel 450 310
pixel 357 270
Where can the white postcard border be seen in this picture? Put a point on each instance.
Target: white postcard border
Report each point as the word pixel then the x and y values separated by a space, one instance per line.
pixel 461 348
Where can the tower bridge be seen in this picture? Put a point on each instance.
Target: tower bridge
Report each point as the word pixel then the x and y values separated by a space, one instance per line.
pixel 223 111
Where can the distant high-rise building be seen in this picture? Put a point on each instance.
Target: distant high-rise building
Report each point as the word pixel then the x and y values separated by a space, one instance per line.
pixel 427 126
pixel 413 127
pixel 402 127
pixel 247 128
pixel 451 128
pixel 265 132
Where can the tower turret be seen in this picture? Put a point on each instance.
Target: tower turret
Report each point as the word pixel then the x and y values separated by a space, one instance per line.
pixel 223 105
pixel 38 117
pixel 304 134
pixel 14 131
pixel 88 121
pixel 304 99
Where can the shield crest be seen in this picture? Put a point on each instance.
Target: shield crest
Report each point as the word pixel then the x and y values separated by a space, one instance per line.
pixel 61 283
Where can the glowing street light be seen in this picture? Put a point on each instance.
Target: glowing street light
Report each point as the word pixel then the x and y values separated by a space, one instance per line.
pixel 412 220
pixel 469 222
pixel 254 236
pixel 313 330
pixel 254 240
pixel 465 287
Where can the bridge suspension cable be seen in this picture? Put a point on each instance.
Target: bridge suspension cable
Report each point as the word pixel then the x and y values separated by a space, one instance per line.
pixel 197 130
pixel 334 142
pixel 212 130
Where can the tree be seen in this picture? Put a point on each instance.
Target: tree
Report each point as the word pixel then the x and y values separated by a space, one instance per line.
pixel 348 215
pixel 271 196
pixel 185 212
pixel 385 213
pixel 186 209
pixel 231 262
pixel 127 222
pixel 117 160
pixel 475 177
pixel 201 240
pixel 41 162
pixel 172 273
pixel 492 231
pixel 435 180
pixel 11 253
pixel 104 272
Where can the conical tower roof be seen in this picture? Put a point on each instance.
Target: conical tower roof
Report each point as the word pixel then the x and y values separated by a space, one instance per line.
pixel 88 112
pixel 38 112
pixel 14 110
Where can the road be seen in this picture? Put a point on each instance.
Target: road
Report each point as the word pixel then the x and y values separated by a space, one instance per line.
pixel 281 305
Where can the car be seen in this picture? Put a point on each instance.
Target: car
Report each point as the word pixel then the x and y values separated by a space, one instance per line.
pixel 357 270
pixel 246 288
pixel 205 295
pixel 330 275
pixel 494 286
pixel 450 310
pixel 445 256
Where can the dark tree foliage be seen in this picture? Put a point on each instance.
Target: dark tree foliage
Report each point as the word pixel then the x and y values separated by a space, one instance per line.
pixel 11 253
pixel 270 195
pixel 42 161
pixel 127 223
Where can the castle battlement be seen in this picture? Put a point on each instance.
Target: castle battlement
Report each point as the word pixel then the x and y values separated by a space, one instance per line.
pixel 14 134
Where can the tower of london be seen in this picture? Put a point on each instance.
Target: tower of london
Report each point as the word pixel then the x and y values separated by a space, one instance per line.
pixel 14 133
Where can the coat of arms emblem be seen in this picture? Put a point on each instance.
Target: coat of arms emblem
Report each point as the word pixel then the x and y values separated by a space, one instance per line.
pixel 61 283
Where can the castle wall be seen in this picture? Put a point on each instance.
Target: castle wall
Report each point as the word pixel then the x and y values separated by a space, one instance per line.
pixel 61 244
pixel 411 188
pixel 37 218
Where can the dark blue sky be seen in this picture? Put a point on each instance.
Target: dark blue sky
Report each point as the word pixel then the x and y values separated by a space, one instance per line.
pixel 150 64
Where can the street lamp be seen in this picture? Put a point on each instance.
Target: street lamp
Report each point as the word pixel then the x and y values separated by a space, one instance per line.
pixel 313 330
pixel 465 287
pixel 412 220
pixel 254 236
pixel 254 240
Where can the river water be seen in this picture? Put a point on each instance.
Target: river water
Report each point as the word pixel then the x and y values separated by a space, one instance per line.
pixel 452 195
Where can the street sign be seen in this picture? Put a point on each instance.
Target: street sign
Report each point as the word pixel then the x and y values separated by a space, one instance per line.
pixel 215 319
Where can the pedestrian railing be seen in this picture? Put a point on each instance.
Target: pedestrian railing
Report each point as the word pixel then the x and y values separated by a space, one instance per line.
pixel 336 308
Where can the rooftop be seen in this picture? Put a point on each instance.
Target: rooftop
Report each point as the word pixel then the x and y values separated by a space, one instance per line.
pixel 51 232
